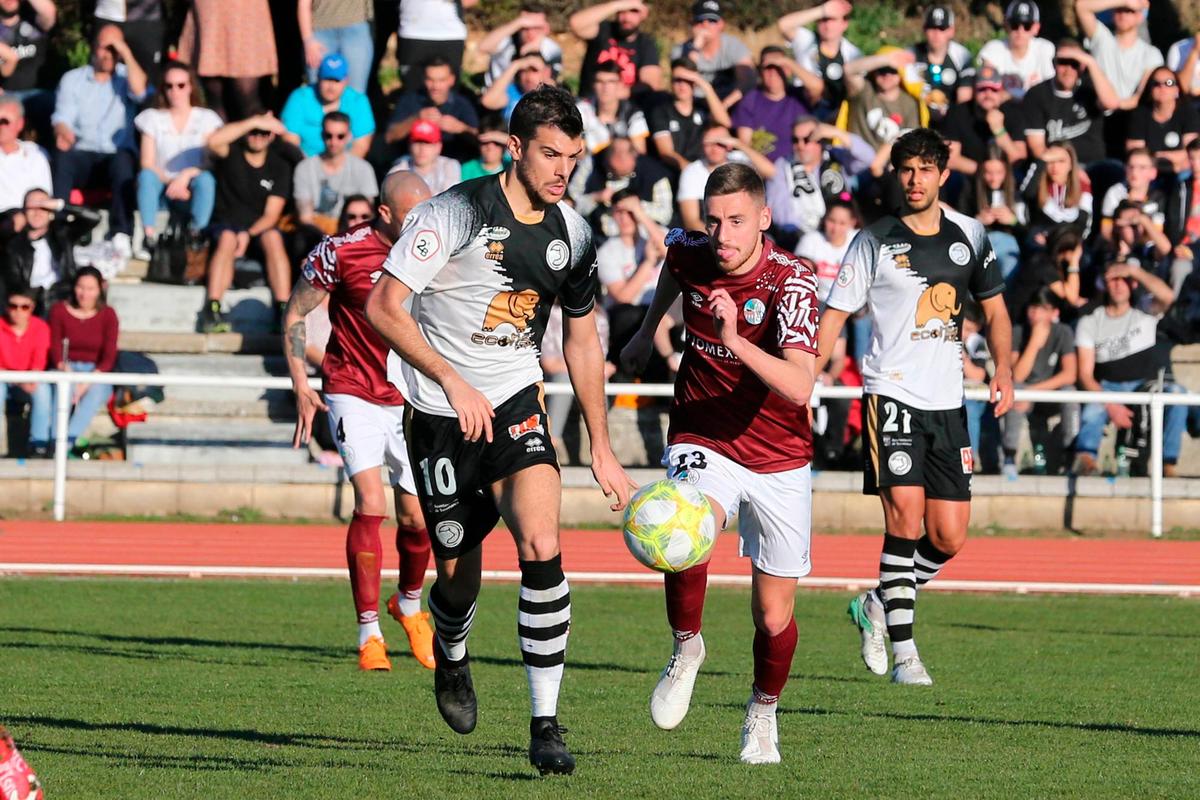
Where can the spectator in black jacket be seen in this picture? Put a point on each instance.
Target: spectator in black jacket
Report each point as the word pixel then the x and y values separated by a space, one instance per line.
pixel 37 246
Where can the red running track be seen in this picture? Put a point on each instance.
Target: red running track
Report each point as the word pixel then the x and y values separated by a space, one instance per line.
pixel 73 547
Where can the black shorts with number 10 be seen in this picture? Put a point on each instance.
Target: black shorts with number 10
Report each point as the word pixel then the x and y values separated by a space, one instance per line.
pixel 907 446
pixel 454 476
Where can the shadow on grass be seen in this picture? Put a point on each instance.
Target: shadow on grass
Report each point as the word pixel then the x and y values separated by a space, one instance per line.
pixel 982 626
pixel 135 654
pixel 601 666
pixel 330 653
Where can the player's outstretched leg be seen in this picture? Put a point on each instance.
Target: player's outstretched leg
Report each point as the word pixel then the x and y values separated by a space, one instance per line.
pixel 898 585
pixel 452 684
pixel 543 625
pixel 866 612
pixel 412 543
pixel 672 695
pixel 364 557
pixel 772 662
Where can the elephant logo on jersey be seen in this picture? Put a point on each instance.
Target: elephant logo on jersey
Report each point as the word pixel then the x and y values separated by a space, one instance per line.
pixel 512 308
pixel 937 302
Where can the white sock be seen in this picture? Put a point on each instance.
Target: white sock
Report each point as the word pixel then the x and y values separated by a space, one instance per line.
pixel 410 602
pixel 904 650
pixel 368 629
pixel 690 647
pixel 544 684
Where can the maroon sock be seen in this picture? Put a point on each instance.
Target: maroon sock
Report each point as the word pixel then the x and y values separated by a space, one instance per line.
pixel 413 546
pixel 364 557
pixel 685 600
pixel 772 661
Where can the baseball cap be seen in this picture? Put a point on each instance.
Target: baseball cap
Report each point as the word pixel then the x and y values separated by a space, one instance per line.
pixel 1022 11
pixel 425 131
pixel 939 17
pixel 706 11
pixel 988 77
pixel 333 68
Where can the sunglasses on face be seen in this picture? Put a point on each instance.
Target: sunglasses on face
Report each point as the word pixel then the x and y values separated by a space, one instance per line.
pixel 259 132
pixel 1070 63
pixel 337 137
pixel 5 121
pixel 19 306
pixel 1164 82
pixel 981 89
pixel 1021 26
pixel 803 139
pixel 488 142
pixel 183 85
pixel 358 217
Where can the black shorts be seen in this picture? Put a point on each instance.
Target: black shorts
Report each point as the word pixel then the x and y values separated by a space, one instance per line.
pixel 454 476
pixel 906 446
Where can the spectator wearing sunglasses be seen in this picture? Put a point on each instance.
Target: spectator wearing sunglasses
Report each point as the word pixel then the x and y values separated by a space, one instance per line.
pixel 23 165
pixel 721 58
pixel 306 107
pixel 944 67
pixel 1070 107
pixel 1022 58
pixel 881 109
pixel 1122 54
pixel 322 183
pixel 356 210
pixel 24 346
pixel 1165 125
pixel 990 118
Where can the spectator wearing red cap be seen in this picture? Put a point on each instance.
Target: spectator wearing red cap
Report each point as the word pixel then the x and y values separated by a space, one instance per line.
pixel 425 158
pixel 307 106
pixel 1023 58
pixel 991 117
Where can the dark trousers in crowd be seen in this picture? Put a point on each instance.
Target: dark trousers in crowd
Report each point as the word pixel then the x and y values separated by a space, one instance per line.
pixel 84 169
pixel 145 38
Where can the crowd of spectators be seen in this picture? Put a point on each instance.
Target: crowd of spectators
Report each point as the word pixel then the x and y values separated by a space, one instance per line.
pixel 1081 157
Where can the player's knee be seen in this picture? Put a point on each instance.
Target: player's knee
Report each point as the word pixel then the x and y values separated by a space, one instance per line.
pixel 772 621
pixel 541 547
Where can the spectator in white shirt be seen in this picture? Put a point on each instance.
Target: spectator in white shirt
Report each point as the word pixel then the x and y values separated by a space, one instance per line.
pixel 1023 58
pixel 23 165
pixel 1124 56
pixel 825 53
pixel 529 32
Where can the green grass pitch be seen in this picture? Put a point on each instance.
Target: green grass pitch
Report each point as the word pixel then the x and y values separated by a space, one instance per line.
pixel 179 689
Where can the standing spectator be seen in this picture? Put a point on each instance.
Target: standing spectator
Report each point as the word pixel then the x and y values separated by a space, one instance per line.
pixel 431 28
pixel 773 107
pixel 825 54
pixel 306 107
pixel 880 107
pixel 992 199
pixel 253 185
pixel 338 26
pixel 1022 58
pixel 93 130
pixel 612 33
pixel 1059 194
pixel 943 67
pixel 1069 108
pixel 174 154
pixel 144 27
pixel 623 171
pixel 606 114
pixel 1124 56
pixel 24 347
pixel 677 126
pixel 1139 187
pixel 24 39
pixel 425 158
pixel 439 102
pixel 521 76
pixel 528 33
pixel 1165 125
pixel 23 165
pixel 720 57
pixel 83 338
pixel 233 53
pixel 322 183
pixel 989 119
pixel 718 148
pixel 493 153
pixel 37 246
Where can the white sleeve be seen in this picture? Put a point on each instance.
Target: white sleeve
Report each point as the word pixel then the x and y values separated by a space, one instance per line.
pixel 1085 331
pixel 802 43
pixel 854 279
pixel 692 181
pixel 434 230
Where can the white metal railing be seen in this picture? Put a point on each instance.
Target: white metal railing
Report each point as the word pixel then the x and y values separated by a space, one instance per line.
pixel 1157 401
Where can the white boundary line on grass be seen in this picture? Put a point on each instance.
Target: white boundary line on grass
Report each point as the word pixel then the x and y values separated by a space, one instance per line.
pixel 852 584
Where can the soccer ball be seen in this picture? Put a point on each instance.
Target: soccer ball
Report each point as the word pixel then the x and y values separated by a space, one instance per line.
pixel 669 526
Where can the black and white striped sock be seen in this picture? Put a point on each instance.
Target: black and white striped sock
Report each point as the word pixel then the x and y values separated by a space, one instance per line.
pixel 451 624
pixel 543 624
pixel 928 561
pixel 898 585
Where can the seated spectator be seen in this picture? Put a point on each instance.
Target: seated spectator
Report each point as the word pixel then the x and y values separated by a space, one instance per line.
pixel 1122 54
pixel 522 75
pixel 322 183
pixel 721 58
pixel 174 156
pixel 37 246
pixel 826 246
pixel 93 130
pixel 25 347
pixel 253 185
pixel 978 368
pixel 1056 267
pixel 607 114
pixel 425 158
pixel 306 107
pixel 1184 58
pixel 944 68
pixel 621 171
pixel 1119 350
pixel 1183 208
pixel 1043 358
pixel 1022 58
pixel 677 126
pixel 990 118
pixel 25 27
pixel 1165 125
pixel 992 199
pixel 770 109
pixel 1139 188
pixel 23 165
pixel 1069 108
pixel 824 54
pixel 718 148
pixel 333 26
pixel 528 33
pixel 493 153
pixel 88 326
pixel 1137 238
pixel 356 210
pixel 1058 193
pixel 880 107
pixel 439 102
pixel 612 33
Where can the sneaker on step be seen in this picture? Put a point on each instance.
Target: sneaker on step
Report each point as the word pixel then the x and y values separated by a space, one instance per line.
pixel 211 318
pixel 417 628
pixel 673 694
pixel 867 615
pixel 1085 464
pixel 372 655
pixel 760 738
pixel 122 245
pixel 911 672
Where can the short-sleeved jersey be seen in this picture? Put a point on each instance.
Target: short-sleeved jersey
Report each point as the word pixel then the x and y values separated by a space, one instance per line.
pixel 356 359
pixel 483 284
pixel 719 402
pixel 916 286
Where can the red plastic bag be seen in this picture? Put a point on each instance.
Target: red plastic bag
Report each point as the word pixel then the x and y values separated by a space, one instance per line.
pixel 17 781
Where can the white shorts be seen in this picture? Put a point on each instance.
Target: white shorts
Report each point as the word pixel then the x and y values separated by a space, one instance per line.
pixel 369 436
pixel 774 508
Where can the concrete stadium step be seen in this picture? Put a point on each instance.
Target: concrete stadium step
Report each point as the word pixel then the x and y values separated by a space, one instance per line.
pixel 214 440
pixel 175 309
pixel 218 401
pixel 155 342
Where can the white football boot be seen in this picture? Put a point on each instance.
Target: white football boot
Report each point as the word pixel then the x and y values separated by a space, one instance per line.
pixel 673 695
pixel 760 737
pixel 867 615
pixel 911 672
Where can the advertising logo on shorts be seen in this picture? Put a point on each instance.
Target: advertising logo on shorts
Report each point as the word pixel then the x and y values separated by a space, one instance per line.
pixel 899 463
pixel 426 245
pixel 449 533
pixel 754 310
pixel 533 424
pixel 968 460
pixel 557 254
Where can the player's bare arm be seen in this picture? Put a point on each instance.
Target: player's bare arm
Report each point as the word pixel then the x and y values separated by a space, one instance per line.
pixel 999 339
pixel 636 352
pixel 585 365
pixel 385 311
pixel 791 377
pixel 833 320
pixel 305 297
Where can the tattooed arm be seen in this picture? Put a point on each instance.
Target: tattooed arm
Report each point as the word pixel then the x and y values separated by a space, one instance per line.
pixel 305 297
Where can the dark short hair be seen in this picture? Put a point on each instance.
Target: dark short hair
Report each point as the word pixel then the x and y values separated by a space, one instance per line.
pixel 683 62
pixel 924 144
pixel 336 116
pixel 1067 41
pixel 1126 205
pixel 545 105
pixel 21 290
pixel 437 61
pixel 1044 297
pixel 731 178
pixel 608 68
pixel 89 272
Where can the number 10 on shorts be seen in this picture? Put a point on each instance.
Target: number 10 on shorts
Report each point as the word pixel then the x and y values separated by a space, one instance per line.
pixel 441 476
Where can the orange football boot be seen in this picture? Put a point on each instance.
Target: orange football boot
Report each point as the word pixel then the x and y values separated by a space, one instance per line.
pixel 420 634
pixel 373 655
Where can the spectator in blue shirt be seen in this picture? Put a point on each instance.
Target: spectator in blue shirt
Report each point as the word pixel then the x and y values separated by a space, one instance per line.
pixel 93 129
pixel 439 102
pixel 307 106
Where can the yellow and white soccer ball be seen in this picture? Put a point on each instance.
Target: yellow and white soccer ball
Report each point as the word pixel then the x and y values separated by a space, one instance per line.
pixel 669 526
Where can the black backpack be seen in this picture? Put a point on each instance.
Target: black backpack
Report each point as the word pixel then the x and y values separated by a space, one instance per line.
pixel 168 262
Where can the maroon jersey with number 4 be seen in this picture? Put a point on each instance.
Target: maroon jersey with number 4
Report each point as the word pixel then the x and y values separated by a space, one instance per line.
pixel 719 402
pixel 347 266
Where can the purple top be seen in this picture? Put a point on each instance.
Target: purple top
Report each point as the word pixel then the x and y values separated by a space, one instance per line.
pixel 776 117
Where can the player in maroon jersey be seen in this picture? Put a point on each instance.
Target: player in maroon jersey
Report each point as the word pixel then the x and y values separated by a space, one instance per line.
pixel 366 412
pixel 739 431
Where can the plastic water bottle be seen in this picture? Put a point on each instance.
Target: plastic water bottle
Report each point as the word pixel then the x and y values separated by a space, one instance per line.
pixel 1122 463
pixel 1039 460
